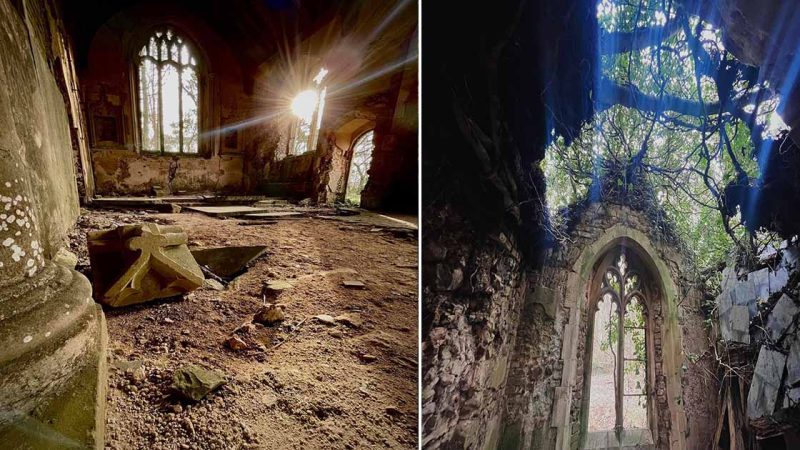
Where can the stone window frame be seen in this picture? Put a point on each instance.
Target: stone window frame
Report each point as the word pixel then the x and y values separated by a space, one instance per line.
pixel 201 68
pixel 672 423
pixel 649 295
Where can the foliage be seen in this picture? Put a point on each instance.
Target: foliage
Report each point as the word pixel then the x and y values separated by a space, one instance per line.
pixel 675 112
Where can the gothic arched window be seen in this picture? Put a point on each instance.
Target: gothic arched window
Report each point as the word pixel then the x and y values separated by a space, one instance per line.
pixel 168 94
pixel 618 395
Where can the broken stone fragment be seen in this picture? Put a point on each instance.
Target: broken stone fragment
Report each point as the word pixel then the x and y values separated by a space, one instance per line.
pixel 393 411
pixel 194 383
pixel 778 280
pixel 213 284
pixel 270 315
pixel 137 263
pixel 349 321
pixel 766 383
pixel 326 319
pixel 245 328
pixel 745 293
pixel 235 343
pixel 353 284
pixel 793 363
pixel 227 262
pixel 367 358
pixel 740 324
pixel 276 287
pixel 781 317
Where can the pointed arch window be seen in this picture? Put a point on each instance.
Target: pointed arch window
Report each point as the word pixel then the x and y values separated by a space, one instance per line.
pixel 619 397
pixel 168 93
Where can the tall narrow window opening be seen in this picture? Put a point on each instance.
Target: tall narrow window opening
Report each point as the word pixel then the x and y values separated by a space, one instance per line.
pixel 618 394
pixel 307 107
pixel 359 167
pixel 168 95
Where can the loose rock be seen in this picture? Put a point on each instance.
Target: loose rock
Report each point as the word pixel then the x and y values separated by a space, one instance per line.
pixel 353 284
pixel 326 319
pixel 213 284
pixel 274 288
pixel 352 322
pixel 367 358
pixel 270 315
pixel 235 343
pixel 194 383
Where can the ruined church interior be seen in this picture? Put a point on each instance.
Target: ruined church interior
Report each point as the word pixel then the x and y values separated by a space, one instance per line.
pixel 208 224
pixel 610 220
pixel 400 224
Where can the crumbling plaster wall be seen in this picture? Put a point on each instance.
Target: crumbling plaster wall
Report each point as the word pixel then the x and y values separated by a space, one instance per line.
pixel 120 166
pixel 545 385
pixel 34 128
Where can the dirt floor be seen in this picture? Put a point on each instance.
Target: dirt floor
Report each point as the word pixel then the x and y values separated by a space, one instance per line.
pixel 327 386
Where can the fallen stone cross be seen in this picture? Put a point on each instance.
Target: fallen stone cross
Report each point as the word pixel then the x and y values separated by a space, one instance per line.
pixel 137 263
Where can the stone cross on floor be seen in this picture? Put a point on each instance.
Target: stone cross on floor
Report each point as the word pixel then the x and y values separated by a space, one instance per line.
pixel 156 264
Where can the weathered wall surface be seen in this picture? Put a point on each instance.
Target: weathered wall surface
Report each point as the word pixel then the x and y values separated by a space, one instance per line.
pixel 129 173
pixel 504 345
pixel 292 176
pixel 34 130
pixel 393 179
pixel 473 291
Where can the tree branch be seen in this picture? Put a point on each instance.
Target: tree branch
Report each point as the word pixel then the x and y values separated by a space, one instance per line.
pixel 610 93
pixel 638 39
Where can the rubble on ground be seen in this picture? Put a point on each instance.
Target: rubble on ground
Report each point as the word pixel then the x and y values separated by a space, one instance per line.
pixel 758 314
pixel 270 315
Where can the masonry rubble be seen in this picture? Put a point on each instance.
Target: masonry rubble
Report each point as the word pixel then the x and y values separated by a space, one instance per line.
pixel 758 314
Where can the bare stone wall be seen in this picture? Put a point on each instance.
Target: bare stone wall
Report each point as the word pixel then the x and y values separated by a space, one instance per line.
pixel 473 287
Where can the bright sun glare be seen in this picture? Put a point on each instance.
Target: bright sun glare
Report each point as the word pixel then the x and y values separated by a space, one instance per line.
pixel 304 104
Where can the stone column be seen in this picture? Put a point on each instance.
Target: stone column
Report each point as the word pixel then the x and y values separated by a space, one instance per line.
pixel 53 339
pixel 52 334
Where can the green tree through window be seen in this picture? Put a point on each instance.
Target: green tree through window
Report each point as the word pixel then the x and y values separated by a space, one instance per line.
pixel 619 359
pixel 168 94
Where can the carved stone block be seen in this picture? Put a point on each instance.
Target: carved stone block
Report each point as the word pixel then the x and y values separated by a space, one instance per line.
pixel 137 263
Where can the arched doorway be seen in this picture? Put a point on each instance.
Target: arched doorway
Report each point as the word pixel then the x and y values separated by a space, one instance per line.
pixel 360 161
pixel 618 407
